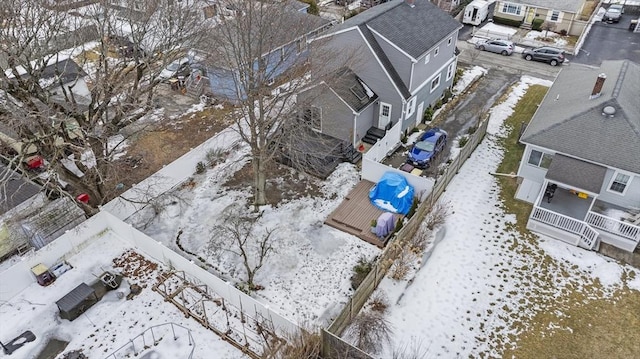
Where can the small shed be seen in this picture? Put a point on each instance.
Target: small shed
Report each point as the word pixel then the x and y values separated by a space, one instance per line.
pixel 77 301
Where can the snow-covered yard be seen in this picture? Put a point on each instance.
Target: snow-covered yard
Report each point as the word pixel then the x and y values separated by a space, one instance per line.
pixel 110 323
pixel 481 279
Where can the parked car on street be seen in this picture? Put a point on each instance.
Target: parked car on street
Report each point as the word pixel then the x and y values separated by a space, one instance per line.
pixel 614 13
pixel 545 54
pixel 503 47
pixel 428 146
pixel 179 67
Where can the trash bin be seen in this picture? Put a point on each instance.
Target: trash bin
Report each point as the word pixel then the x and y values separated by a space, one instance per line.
pixel 632 26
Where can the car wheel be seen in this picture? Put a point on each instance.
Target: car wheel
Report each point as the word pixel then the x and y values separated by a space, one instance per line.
pixel 481 48
pixel 528 57
pixel 504 53
pixel 554 62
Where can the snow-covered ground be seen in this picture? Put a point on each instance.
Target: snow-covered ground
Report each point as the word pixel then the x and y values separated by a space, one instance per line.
pixel 471 286
pixel 110 323
pixel 307 277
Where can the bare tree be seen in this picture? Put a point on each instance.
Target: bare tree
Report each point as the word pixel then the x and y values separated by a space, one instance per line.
pixel 238 236
pixel 370 330
pixel 44 111
pixel 258 59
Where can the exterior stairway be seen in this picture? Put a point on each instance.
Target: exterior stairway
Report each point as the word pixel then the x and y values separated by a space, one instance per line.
pixel 373 135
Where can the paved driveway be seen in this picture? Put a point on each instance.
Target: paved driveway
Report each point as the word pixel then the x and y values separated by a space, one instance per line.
pixel 610 42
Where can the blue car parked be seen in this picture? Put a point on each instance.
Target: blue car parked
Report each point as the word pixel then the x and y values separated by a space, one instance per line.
pixel 428 145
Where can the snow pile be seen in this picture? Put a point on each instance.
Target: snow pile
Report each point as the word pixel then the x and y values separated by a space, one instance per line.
pixel 556 39
pixel 468 76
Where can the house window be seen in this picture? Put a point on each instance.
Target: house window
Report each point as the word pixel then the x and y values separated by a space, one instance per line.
pixel 539 159
pixel 435 83
pixel 449 42
pixel 386 109
pixel 450 70
pixel 427 58
pixel 411 107
pixel 313 117
pixel 555 16
pixel 619 182
pixel 436 51
pixel 513 9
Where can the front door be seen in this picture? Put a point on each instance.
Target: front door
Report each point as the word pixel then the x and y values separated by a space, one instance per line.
pixel 419 113
pixel 385 115
pixel 530 14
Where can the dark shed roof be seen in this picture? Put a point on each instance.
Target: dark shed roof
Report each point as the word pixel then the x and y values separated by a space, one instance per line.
pixel 582 175
pixel 74 298
pixel 16 190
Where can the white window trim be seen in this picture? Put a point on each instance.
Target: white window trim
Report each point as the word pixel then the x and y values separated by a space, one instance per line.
pixel 436 51
pixel 541 158
pixel 517 6
pixel 411 108
pixel 450 71
pixel 550 15
pixel 449 41
pixel 427 58
pixel 613 178
pixel 438 85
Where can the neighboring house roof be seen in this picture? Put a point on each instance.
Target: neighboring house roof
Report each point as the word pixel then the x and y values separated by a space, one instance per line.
pixel 563 5
pixel 67 70
pixel 15 190
pixel 569 122
pixel 583 175
pixel 352 90
pixel 297 5
pixel 415 29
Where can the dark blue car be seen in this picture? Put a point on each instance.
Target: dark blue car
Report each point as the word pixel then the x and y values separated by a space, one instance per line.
pixel 428 145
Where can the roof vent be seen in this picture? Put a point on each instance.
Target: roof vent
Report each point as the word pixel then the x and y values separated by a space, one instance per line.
pixel 608 111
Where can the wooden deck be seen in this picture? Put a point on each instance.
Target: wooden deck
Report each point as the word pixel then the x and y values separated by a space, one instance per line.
pixel 355 213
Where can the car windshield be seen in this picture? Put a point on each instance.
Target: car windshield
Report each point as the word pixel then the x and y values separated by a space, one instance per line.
pixel 614 10
pixel 425 146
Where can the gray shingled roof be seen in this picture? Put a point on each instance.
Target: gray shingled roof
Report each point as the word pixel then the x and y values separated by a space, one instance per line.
pixel 15 190
pixel 413 29
pixel 571 171
pixel 66 69
pixel 563 5
pixel 343 84
pixel 569 122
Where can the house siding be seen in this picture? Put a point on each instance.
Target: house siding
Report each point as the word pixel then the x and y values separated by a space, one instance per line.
pixel 337 117
pixel 369 70
pixel 363 121
pixel 564 23
pixel 531 172
pixel 423 72
pixel 631 197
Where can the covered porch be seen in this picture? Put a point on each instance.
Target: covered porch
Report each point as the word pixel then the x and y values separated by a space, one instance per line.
pixel 567 208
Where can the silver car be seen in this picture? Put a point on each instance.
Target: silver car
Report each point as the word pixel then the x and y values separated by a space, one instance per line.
pixel 614 13
pixel 498 46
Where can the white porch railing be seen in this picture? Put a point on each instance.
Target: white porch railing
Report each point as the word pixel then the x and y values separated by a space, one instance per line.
pixel 386 144
pixel 614 226
pixel 588 236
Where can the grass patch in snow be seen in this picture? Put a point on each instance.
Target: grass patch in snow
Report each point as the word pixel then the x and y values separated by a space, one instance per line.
pixel 575 316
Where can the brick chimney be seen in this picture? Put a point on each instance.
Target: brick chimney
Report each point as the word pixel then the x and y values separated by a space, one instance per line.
pixel 597 88
pixel 411 3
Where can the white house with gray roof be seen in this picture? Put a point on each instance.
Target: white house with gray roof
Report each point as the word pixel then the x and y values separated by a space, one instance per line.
pixel 561 14
pixel 581 164
pixel 404 58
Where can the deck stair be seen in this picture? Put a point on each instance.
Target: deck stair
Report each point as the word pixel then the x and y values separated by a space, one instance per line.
pixel 373 135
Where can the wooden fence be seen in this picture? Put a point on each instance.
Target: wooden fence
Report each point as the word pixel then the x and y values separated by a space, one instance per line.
pixel 394 248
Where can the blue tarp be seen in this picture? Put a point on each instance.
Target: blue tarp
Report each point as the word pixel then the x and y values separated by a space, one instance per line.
pixel 392 193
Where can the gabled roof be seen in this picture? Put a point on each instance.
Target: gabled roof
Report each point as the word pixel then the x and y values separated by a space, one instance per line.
pixel 563 5
pixel 415 29
pixel 569 122
pixel 15 190
pixel 352 90
pixel 66 69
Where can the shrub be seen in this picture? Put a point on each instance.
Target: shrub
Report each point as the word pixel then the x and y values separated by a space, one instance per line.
pixel 446 95
pixel 301 344
pixel 463 141
pixel 428 115
pixel 360 272
pixel 404 138
pixel 200 168
pixel 472 130
pixel 437 215
pixel 438 104
pixel 402 265
pixel 414 206
pixel 379 302
pixel 563 32
pixel 508 22
pixel 215 156
pixel 370 331
pixel 457 76
pixel 536 24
